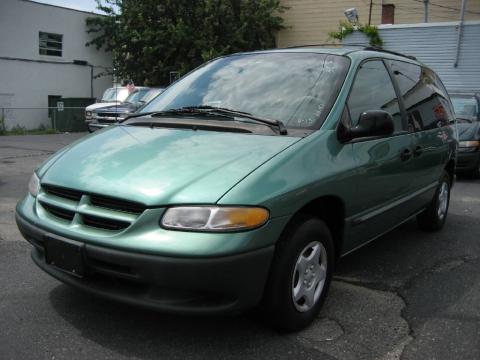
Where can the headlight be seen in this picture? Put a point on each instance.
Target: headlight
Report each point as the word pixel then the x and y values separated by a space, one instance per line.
pixel 34 185
pixel 214 218
pixel 474 143
pixel 88 114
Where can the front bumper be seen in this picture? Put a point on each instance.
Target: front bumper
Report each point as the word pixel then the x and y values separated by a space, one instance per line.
pixel 215 285
pixel 467 161
pixel 92 126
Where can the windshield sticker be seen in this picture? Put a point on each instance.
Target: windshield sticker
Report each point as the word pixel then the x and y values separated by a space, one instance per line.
pixel 215 103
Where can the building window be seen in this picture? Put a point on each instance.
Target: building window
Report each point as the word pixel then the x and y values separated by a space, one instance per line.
pixel 50 44
pixel 388 14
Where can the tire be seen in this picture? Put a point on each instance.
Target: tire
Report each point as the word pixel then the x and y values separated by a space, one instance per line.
pixel 434 217
pixel 305 245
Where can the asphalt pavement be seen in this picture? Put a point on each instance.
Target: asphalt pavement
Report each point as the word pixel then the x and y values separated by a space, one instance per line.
pixel 408 295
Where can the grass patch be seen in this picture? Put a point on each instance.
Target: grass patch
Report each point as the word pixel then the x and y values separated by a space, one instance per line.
pixel 2 126
pixel 21 130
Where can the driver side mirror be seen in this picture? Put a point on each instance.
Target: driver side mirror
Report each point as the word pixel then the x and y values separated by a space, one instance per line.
pixel 372 123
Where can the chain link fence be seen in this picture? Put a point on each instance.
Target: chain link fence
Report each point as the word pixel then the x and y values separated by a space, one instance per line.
pixel 55 119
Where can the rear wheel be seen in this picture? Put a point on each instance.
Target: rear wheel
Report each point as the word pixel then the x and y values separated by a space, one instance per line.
pixel 300 275
pixel 433 218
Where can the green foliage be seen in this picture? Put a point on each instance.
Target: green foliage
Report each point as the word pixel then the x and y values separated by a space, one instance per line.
pixel 50 131
pixel 345 28
pixel 372 33
pixel 21 130
pixel 17 130
pixel 3 130
pixel 150 38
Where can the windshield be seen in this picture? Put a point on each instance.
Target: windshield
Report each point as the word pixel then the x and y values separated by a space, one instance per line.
pixel 151 94
pixel 465 107
pixel 115 94
pixel 107 94
pixel 136 96
pixel 295 88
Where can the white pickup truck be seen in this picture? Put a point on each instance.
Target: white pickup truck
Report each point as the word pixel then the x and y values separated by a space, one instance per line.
pixel 111 96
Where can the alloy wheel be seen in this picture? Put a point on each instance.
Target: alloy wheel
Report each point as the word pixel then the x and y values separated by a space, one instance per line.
pixel 309 276
pixel 443 200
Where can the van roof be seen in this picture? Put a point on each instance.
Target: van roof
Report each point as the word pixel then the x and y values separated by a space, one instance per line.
pixel 351 50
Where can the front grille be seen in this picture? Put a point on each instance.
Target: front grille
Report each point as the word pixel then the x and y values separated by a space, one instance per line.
pixel 93 210
pixel 117 204
pixel 106 121
pixel 108 114
pixel 58 211
pixel 104 223
pixel 62 192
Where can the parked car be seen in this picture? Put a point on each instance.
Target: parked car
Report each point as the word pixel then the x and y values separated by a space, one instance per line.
pixel 468 124
pixel 109 115
pixel 245 181
pixel 111 96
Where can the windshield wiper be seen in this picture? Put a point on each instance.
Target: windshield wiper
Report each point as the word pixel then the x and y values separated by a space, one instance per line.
pixel 212 110
pixel 269 122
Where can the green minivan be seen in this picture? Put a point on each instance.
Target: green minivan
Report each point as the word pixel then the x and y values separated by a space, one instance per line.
pixel 245 181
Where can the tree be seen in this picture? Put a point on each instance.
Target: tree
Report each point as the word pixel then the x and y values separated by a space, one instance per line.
pixel 150 38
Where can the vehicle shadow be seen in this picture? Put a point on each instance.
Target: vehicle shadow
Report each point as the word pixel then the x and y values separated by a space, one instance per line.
pixel 407 251
pixel 413 263
pixel 138 333
pixel 433 272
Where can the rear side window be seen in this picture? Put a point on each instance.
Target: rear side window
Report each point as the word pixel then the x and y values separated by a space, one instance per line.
pixel 373 90
pixel 465 108
pixel 425 98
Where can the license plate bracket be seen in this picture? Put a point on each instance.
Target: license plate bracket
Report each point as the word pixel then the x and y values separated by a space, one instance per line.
pixel 65 255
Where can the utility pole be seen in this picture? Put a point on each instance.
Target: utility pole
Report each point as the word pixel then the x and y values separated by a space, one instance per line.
pixel 370 13
pixel 91 80
pixel 460 31
pixel 425 5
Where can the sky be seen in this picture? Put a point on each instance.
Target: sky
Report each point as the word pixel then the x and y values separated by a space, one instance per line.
pixel 86 5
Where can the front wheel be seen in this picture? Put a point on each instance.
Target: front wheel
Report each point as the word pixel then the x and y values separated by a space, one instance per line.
pixel 433 218
pixel 300 275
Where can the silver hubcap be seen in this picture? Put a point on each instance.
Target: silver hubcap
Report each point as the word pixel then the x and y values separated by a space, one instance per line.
pixel 442 200
pixel 309 276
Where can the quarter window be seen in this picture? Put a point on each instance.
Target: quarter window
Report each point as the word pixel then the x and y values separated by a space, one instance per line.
pixel 373 90
pixel 50 44
pixel 424 96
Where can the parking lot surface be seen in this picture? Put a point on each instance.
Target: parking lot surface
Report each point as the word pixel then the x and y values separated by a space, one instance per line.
pixel 408 295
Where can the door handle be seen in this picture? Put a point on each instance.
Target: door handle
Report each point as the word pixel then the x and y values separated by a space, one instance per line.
pixel 406 154
pixel 418 151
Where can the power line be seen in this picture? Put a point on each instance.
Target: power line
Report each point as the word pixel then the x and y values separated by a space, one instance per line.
pixel 413 9
pixel 448 7
pixel 407 9
pixel 410 11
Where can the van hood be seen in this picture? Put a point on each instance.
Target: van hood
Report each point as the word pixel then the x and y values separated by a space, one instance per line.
pixel 158 166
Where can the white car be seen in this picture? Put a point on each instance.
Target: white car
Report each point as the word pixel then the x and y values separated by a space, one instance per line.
pixel 111 96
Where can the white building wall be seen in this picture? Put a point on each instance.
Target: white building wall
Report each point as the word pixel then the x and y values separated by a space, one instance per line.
pixel 27 78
